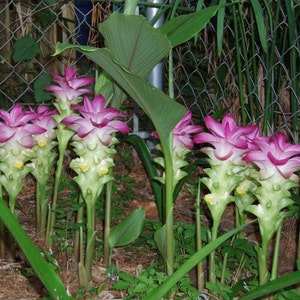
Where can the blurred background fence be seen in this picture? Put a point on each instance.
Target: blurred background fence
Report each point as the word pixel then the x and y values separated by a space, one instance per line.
pixel 228 66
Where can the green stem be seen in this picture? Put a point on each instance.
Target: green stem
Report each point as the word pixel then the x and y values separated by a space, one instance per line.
pixel 169 177
pixel 107 250
pixel 171 75
pixel 262 262
pixel 239 67
pixel 200 271
pixel 224 266
pixel 130 7
pixel 90 240
pixel 212 256
pixel 245 50
pixel 63 136
pixel 276 254
pixel 78 236
pixel 41 208
pixel 12 203
pixel 50 228
pixel 268 120
pixel 38 209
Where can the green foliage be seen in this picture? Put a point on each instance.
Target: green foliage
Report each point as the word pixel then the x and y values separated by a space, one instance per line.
pixel 189 264
pixel 128 229
pixel 136 287
pixel 219 289
pixel 25 49
pixel 274 286
pixel 185 27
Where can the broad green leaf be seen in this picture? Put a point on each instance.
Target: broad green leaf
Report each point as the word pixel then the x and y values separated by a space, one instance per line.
pixel 134 42
pixel 104 86
pixel 128 230
pixel 26 48
pixel 273 286
pixel 163 111
pixel 43 270
pixel 159 292
pixel 184 27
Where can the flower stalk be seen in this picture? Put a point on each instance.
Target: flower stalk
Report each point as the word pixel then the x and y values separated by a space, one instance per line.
pixel 93 144
pixel 174 159
pixel 227 169
pixel 63 137
pixel 68 91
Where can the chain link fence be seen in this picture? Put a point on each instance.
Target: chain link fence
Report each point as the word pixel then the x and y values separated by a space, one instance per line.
pixel 252 83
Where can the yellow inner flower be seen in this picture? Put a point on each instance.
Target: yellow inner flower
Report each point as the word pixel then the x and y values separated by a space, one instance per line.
pixel 240 190
pixel 209 198
pixel 42 142
pixel 103 170
pixel 18 164
pixel 83 166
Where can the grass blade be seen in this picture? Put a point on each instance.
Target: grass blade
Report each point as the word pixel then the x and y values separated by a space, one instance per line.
pixel 273 286
pixel 43 270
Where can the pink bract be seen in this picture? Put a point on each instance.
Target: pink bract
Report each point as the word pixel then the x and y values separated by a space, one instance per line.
pixel 274 155
pixel 70 87
pixel 182 132
pixel 96 120
pixel 44 119
pixel 16 129
pixel 227 138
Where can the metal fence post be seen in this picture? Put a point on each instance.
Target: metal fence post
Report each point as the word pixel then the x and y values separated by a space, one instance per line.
pixel 155 78
pixel 156 75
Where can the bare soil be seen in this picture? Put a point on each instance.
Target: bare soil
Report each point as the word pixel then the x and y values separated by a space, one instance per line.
pixel 17 281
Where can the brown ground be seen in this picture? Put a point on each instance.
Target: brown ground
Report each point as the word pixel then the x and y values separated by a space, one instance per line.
pixel 17 283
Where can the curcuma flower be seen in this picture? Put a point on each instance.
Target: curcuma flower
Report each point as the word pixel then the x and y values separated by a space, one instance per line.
pixel 44 158
pixel 96 123
pixel 274 156
pixel 228 140
pixel 16 143
pixel 182 132
pixel 15 129
pixel 182 145
pixel 94 129
pixel 226 144
pixel 70 87
pixel 277 161
pixel 43 161
pixel 44 119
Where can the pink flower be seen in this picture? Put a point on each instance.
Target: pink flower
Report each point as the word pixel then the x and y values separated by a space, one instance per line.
pixel 227 138
pixel 44 119
pixel 96 120
pixel 273 155
pixel 182 132
pixel 16 128
pixel 69 87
